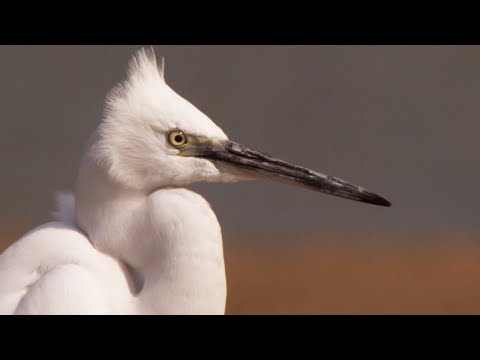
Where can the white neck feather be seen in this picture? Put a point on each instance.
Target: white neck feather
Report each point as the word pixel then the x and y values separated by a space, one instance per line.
pixel 171 237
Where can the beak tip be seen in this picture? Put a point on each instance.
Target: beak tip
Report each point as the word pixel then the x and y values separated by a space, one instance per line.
pixel 378 200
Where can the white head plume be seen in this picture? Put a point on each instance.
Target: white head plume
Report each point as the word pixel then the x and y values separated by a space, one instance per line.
pixel 130 143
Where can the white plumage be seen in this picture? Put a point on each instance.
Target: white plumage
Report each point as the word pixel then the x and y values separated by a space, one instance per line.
pixel 132 239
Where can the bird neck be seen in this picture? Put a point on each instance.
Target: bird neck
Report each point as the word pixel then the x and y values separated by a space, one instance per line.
pixel 187 275
pixel 105 210
pixel 170 238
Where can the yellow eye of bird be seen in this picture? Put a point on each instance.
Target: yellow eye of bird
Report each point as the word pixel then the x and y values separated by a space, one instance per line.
pixel 177 138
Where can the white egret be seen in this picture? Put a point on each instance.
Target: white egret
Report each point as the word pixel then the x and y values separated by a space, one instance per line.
pixel 132 239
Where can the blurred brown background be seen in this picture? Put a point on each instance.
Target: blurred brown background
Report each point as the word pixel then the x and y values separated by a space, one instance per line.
pixel 402 121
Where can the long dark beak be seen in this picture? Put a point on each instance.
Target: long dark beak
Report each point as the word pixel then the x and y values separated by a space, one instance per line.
pixel 261 165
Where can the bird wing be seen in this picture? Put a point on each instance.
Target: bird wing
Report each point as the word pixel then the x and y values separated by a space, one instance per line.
pixel 54 269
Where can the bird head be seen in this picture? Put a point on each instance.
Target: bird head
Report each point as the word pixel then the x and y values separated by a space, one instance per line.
pixel 151 137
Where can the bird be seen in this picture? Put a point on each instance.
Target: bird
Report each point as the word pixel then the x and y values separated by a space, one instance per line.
pixel 131 238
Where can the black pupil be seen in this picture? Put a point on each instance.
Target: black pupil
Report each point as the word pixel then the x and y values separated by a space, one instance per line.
pixel 178 138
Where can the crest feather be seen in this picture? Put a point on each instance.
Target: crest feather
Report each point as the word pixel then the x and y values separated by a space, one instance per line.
pixel 144 62
pixel 142 68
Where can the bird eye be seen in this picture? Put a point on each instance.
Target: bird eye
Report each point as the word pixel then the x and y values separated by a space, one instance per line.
pixel 177 138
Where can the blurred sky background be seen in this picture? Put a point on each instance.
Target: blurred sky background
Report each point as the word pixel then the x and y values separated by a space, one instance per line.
pixel 401 121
